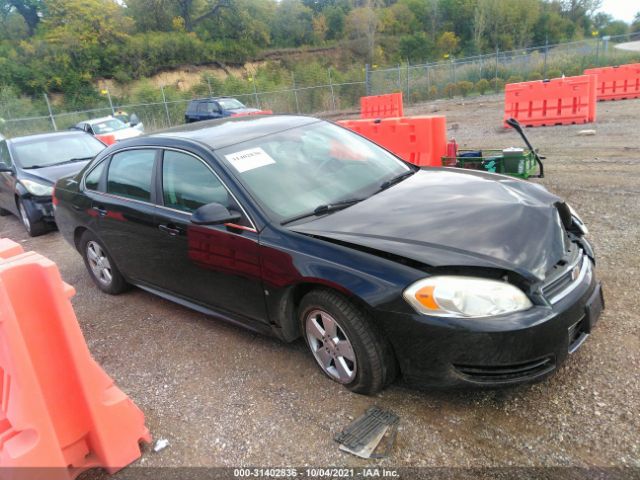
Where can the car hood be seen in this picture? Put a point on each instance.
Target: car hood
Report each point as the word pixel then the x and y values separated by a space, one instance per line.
pixel 125 133
pixel 446 217
pixel 53 173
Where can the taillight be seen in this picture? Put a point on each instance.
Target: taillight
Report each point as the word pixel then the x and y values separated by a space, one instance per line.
pixel 54 200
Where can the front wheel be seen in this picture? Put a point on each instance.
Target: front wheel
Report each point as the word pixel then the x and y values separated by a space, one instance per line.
pixel 345 343
pixel 34 227
pixel 101 267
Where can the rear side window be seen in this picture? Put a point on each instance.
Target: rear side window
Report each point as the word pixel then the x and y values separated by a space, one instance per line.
pixel 130 174
pixel 202 107
pixel 188 183
pixel 92 180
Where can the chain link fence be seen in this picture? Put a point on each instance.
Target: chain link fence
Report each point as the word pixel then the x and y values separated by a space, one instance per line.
pixel 419 83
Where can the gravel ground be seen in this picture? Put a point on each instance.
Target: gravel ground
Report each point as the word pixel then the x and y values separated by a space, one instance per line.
pixel 224 396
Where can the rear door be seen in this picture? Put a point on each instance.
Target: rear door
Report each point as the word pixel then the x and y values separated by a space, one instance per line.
pixel 217 266
pixel 125 211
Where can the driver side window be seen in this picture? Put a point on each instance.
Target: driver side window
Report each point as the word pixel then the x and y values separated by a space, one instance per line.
pixel 188 184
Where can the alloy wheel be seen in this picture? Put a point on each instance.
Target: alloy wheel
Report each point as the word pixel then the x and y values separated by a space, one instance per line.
pixel 330 346
pixel 99 263
pixel 24 216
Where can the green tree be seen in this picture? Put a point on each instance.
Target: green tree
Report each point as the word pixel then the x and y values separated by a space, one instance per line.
pixel 30 10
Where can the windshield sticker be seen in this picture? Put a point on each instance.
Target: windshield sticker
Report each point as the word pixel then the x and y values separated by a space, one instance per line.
pixel 250 159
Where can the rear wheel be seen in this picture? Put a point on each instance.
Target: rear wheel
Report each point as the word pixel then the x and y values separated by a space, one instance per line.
pixel 33 227
pixel 4 213
pixel 345 343
pixel 101 267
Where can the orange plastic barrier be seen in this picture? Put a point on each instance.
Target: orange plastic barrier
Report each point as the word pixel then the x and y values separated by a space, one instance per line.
pixel 381 106
pixel 60 413
pixel 107 139
pixel 9 248
pixel 617 83
pixel 418 140
pixel 561 101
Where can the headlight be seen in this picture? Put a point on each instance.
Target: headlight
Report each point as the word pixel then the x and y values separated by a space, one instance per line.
pixel 36 188
pixel 470 297
pixel 578 221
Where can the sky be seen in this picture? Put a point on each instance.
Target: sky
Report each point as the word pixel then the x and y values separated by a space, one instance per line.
pixel 621 9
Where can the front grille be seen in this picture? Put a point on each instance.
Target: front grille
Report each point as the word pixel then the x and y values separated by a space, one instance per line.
pixel 566 276
pixel 519 371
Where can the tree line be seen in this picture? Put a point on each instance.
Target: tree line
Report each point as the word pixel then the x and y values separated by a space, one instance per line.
pixel 64 45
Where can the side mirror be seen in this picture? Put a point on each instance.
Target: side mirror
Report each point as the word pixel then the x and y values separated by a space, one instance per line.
pixel 214 214
pixel 4 168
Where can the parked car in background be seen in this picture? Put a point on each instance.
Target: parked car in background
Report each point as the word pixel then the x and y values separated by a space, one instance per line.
pixel 129 120
pixel 219 107
pixel 297 227
pixel 110 129
pixel 30 166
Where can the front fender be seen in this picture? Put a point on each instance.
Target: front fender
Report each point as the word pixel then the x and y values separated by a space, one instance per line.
pixel 292 264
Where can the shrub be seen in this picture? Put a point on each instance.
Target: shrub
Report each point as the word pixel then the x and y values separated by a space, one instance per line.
pixel 464 87
pixel 554 74
pixel 497 84
pixel 482 86
pixel 450 90
pixel 433 92
pixel 535 76
pixel 515 79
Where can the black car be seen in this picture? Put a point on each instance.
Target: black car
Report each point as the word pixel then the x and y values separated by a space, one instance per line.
pixel 29 167
pixel 212 108
pixel 297 227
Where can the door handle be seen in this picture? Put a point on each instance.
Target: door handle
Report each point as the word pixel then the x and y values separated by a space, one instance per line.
pixel 101 210
pixel 170 229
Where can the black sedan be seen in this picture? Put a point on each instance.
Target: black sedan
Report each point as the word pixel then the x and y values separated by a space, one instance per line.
pixel 29 167
pixel 297 227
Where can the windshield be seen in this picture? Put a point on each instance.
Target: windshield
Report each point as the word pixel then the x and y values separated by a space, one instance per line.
pixel 230 104
pixel 55 149
pixel 294 172
pixel 107 126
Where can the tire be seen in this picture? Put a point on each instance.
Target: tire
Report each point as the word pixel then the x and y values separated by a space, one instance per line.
pixel 100 265
pixel 33 228
pixel 4 213
pixel 373 366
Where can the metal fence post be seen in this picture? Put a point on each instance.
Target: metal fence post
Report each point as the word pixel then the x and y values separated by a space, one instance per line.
pixel 113 112
pixel 496 77
pixel 426 72
pixel 209 85
pixel 53 121
pixel 399 78
pixel 546 52
pixel 367 79
pixel 166 108
pixel 255 92
pixel 408 91
pixel 333 97
pixel 295 92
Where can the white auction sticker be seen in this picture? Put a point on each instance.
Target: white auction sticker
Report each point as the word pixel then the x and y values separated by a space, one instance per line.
pixel 246 160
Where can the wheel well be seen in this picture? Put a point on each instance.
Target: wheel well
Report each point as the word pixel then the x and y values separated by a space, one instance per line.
pixel 290 303
pixel 77 235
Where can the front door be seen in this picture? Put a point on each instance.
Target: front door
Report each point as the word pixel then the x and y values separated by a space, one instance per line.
pixel 217 266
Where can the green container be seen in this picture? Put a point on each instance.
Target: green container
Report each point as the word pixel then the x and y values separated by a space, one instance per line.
pixel 514 162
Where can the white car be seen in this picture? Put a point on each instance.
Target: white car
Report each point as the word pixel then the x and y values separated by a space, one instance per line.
pixel 110 129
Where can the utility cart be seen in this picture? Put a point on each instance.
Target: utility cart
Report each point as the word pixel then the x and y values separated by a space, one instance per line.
pixel 516 162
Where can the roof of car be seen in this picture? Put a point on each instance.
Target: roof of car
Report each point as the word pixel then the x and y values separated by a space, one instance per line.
pixel 101 119
pixel 44 136
pixel 228 131
pixel 211 98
